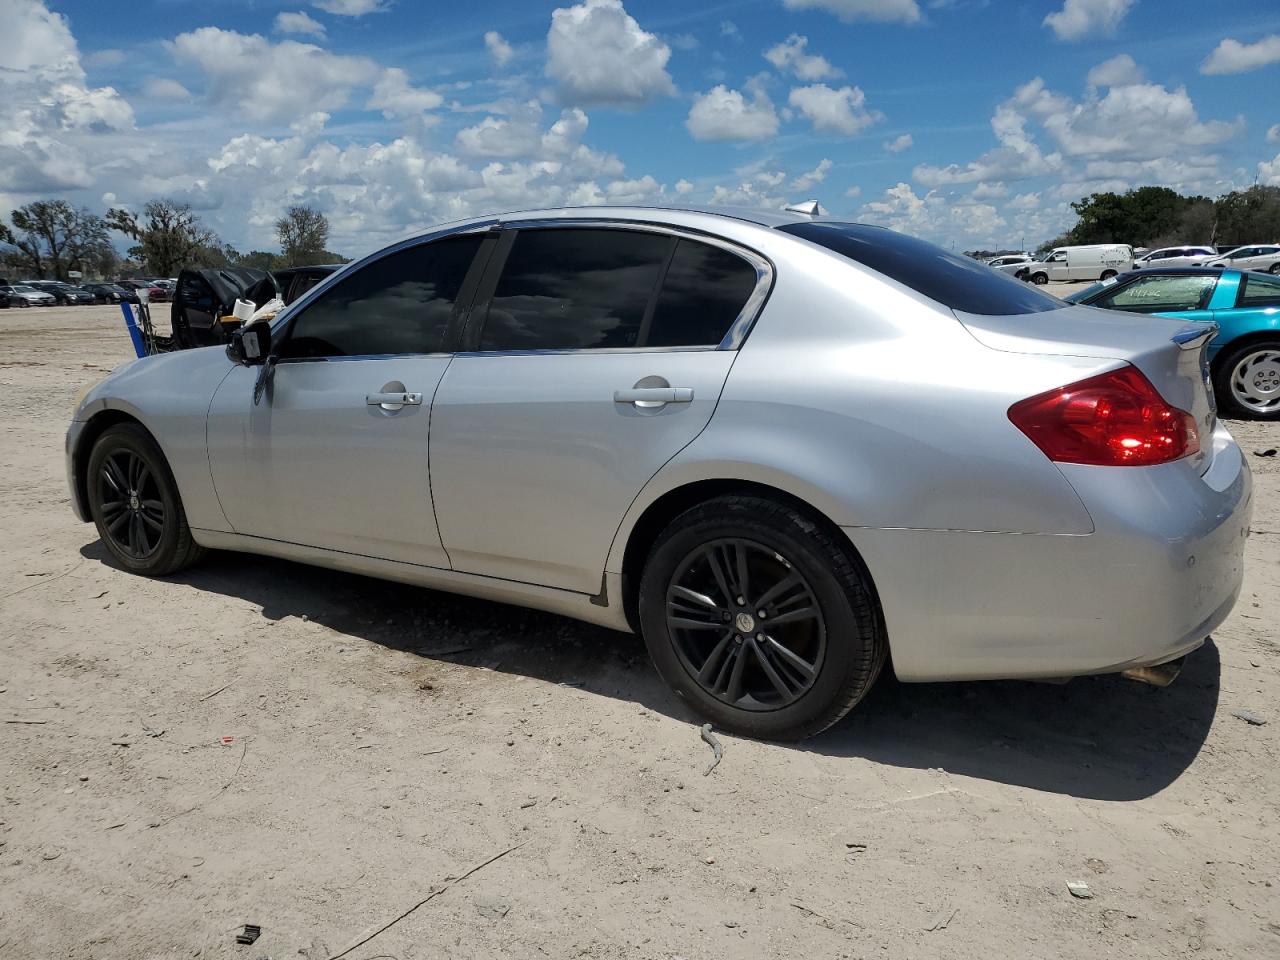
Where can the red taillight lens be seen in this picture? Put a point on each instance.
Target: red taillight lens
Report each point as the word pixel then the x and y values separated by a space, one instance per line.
pixel 1115 419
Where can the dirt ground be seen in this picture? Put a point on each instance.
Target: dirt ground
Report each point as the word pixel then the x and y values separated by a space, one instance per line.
pixel 384 739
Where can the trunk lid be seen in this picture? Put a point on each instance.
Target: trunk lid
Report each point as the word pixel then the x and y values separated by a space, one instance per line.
pixel 1170 353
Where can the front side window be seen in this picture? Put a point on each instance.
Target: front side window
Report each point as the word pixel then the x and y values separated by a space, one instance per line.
pixel 575 289
pixel 1161 294
pixel 1259 292
pixel 399 304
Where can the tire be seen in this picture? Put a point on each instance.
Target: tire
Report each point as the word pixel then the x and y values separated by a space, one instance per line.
pixel 135 505
pixel 1039 279
pixel 1107 274
pixel 833 622
pixel 1246 381
pixel 1274 269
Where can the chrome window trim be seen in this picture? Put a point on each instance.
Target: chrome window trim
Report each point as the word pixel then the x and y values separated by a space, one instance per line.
pixel 740 327
pixel 363 356
pixel 285 317
pixel 586 351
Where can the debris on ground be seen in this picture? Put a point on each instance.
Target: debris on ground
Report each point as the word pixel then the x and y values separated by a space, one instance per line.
pixel 1269 452
pixel 210 696
pixel 1248 717
pixel 493 909
pixel 710 739
pixel 942 919
pixel 1080 889
pixel 249 933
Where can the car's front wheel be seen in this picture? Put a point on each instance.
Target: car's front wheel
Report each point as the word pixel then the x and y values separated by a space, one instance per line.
pixel 1039 279
pixel 1246 381
pixel 134 502
pixel 760 618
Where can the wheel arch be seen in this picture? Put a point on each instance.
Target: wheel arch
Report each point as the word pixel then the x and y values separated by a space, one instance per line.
pixel 639 537
pixel 95 427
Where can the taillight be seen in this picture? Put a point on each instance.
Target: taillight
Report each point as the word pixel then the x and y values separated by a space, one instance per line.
pixel 1115 419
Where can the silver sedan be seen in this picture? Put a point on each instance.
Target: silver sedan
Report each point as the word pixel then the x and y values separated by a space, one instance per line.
pixel 786 449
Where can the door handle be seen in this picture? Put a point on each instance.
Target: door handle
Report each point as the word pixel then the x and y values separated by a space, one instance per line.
pixel 393 401
pixel 654 395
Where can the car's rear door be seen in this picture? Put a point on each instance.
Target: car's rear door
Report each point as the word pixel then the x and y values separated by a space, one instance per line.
pixel 595 353
pixel 335 454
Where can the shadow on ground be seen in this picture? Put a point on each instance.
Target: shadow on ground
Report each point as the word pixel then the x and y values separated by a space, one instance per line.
pixel 1097 737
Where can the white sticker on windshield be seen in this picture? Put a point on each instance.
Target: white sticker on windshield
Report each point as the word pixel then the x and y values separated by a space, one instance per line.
pixel 1109 281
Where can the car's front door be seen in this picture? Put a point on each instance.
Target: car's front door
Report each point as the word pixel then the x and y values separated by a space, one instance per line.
pixel 595 354
pixel 335 454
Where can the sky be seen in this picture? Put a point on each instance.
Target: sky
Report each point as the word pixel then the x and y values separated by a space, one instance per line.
pixel 969 123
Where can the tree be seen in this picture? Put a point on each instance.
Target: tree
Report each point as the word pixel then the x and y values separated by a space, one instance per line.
pixel 170 238
pixel 303 232
pixel 1249 216
pixel 1137 217
pixel 52 237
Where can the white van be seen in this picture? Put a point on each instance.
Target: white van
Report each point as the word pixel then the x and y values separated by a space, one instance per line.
pixel 1098 261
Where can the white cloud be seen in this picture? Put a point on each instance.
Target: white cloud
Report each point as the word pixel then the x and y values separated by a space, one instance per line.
pixel 841 111
pixel 51 122
pixel 350 8
pixel 935 216
pixel 1135 123
pixel 265 81
pixel 1087 19
pixel 1269 172
pixel 598 54
pixel 900 11
pixel 730 29
pixel 395 96
pixel 854 191
pixel 1232 56
pixel 299 23
pixel 1273 134
pixel 899 143
pixel 1116 72
pixel 810 179
pixel 163 88
pixel 683 187
pixel 724 114
pixel 498 48
pixel 789 56
pixel 989 191
pixel 1024 201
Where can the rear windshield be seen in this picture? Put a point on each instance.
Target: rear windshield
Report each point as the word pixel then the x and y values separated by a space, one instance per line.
pixel 960 283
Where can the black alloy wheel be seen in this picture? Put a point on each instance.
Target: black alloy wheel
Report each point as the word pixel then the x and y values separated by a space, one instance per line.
pixel 135 505
pixel 746 624
pixel 129 498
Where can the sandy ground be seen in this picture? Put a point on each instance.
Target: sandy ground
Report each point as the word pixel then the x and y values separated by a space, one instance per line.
pixel 384 739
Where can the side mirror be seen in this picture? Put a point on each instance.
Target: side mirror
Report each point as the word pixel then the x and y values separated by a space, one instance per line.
pixel 251 344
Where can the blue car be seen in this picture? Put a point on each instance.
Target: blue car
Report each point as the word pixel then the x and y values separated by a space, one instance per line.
pixel 1244 358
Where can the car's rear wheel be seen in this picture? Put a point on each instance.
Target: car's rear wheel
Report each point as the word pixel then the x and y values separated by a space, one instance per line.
pixel 1275 268
pixel 134 502
pixel 1107 274
pixel 760 618
pixel 1039 279
pixel 1246 381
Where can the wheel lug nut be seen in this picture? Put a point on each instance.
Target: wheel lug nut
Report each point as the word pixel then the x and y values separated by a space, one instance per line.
pixel 741 602
pixel 760 637
pixel 737 638
pixel 761 614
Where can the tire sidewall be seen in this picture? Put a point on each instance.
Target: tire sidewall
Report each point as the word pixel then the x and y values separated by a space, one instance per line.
pixel 849 642
pixel 136 440
pixel 1226 363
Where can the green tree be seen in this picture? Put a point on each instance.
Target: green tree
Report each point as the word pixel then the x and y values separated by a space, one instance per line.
pixel 1137 217
pixel 303 232
pixel 50 237
pixel 1249 216
pixel 169 237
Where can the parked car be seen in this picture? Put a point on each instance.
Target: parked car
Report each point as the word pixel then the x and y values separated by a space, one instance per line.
pixel 1244 358
pixel 1258 257
pixel 1015 265
pixel 102 292
pixel 1093 262
pixel 63 293
pixel 26 296
pixel 716 431
pixel 1175 257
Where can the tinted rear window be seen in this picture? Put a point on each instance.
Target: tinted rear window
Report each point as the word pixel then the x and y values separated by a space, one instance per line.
pixel 954 281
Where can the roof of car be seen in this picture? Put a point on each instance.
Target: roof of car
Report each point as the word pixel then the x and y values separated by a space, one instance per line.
pixel 1174 271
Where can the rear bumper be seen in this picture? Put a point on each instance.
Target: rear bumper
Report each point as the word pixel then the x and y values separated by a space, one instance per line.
pixel 1160 572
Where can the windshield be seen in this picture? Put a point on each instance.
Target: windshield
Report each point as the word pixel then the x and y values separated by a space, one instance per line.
pixel 1080 296
pixel 26 289
pixel 960 283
